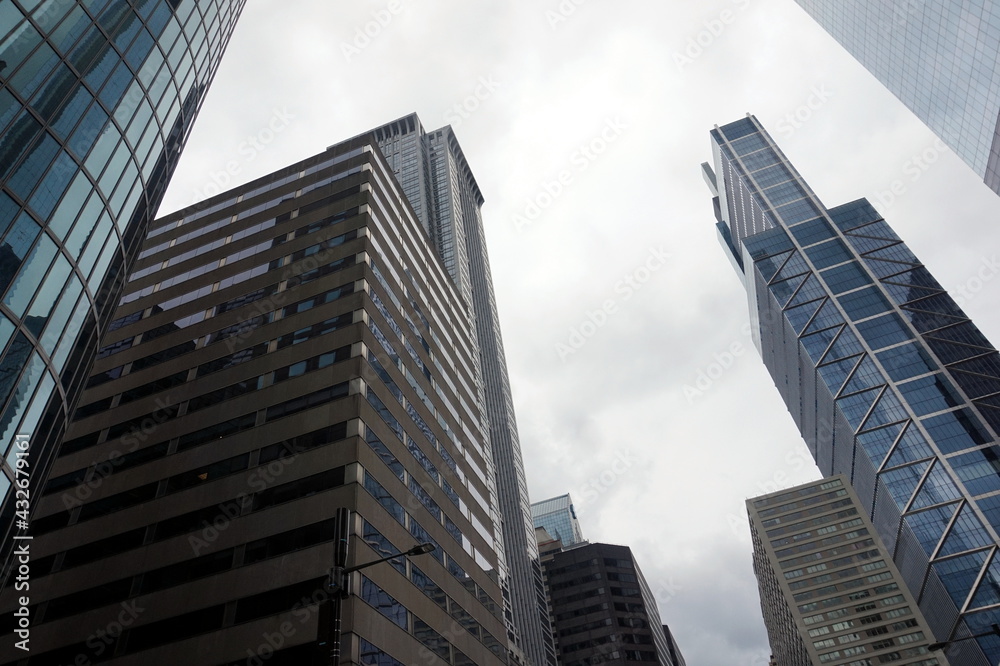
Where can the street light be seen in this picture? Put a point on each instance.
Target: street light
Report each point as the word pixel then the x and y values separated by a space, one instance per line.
pixel 994 631
pixel 339 573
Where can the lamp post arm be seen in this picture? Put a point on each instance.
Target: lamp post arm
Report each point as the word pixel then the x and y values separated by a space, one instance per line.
pixel 358 567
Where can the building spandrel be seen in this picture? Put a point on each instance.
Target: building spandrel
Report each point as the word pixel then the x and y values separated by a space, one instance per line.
pixel 887 379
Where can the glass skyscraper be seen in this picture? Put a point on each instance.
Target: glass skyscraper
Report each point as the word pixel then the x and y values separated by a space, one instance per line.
pixel 437 181
pixel 558 518
pixel 97 98
pixel 887 379
pixel 940 58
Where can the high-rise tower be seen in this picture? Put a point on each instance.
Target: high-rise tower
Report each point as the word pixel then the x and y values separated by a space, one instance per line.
pixel 290 347
pixel 96 102
pixel 940 58
pixel 887 379
pixel 558 517
pixel 829 591
pixel 436 178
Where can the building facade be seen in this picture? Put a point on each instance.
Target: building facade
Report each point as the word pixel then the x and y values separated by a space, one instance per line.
pixel 558 518
pixel 886 378
pixel 288 348
pixel 437 180
pixel 829 590
pixel 940 58
pixel 603 610
pixel 675 650
pixel 96 102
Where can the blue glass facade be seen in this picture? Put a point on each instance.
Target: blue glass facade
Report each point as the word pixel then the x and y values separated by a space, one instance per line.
pixel 887 379
pixel 940 58
pixel 96 101
pixel 558 517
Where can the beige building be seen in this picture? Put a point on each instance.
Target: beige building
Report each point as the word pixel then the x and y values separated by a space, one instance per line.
pixel 829 590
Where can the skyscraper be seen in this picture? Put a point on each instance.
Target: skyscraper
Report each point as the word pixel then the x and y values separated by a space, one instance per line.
pixel 603 610
pixel 829 590
pixel 940 58
pixel 558 518
pixel 437 180
pixel 96 102
pixel 288 348
pixel 887 379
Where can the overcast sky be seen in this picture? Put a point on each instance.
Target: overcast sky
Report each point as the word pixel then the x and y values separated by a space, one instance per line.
pixel 614 296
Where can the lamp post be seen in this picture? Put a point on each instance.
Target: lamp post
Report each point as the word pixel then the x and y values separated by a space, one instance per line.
pixel 994 631
pixel 338 584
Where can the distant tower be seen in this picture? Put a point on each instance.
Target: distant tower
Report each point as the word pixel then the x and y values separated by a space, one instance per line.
pixel 558 518
pixel 829 591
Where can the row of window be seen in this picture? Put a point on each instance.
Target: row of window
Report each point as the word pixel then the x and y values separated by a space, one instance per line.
pixel 241 329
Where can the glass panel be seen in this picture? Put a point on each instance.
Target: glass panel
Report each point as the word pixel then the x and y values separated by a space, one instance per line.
pixel 829 253
pixel 938 489
pixel 929 526
pixel 30 275
pixel 955 431
pixel 960 574
pixel 42 395
pixel 812 231
pixel 856 406
pixel 930 394
pixel 906 361
pixel 846 277
pixel 865 377
pixel 864 303
pixel 48 293
pixel 979 470
pixel 967 533
pixel 902 481
pixel 877 443
pixel 912 447
pixel 835 374
pixel 57 323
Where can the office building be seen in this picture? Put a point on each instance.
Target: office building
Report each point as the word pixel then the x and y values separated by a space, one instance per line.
pixel 675 650
pixel 96 102
pixel 886 378
pixel 829 590
pixel 603 610
pixel 437 180
pixel 940 58
pixel 558 518
pixel 288 348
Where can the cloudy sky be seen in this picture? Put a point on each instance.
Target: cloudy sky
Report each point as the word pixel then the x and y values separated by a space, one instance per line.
pixel 636 386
